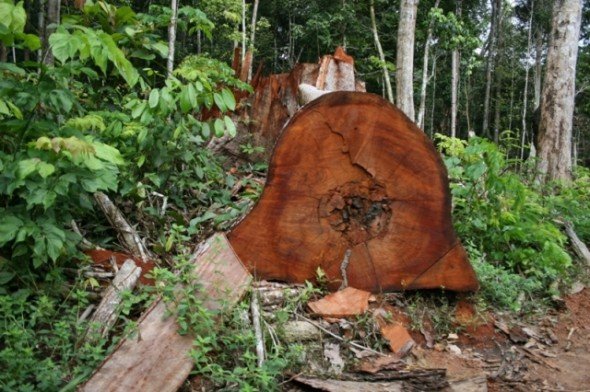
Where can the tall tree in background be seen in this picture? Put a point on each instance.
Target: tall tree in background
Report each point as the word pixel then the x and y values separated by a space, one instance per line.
pixel 404 81
pixel 172 37
pixel 425 77
pixel 53 13
pixel 490 61
pixel 386 79
pixel 557 102
pixel 252 37
pixel 455 64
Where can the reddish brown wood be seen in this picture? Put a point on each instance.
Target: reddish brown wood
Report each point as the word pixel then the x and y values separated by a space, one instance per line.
pixel 351 171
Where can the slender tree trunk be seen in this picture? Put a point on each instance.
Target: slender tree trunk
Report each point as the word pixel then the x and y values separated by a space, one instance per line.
pixel 381 54
pixel 172 37
pixel 244 49
pixel 41 30
pixel 252 37
pixel 496 5
pixel 455 65
pixel 433 96
pixel 557 102
pixel 525 94
pixel 467 115
pixel 425 78
pixel 53 12
pixel 498 75
pixel 404 81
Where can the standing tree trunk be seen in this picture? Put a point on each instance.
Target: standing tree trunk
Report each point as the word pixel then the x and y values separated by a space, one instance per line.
pixel 496 6
pixel 523 131
pixel 425 77
pixel 381 54
pixel 41 30
pixel 455 64
pixel 172 37
pixel 557 103
pixel 252 37
pixel 404 81
pixel 53 11
pixel 244 49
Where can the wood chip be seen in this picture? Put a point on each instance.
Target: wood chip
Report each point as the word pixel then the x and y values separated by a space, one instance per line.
pixel 345 303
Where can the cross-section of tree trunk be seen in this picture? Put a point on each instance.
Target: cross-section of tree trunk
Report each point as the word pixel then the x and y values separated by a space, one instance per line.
pixel 352 172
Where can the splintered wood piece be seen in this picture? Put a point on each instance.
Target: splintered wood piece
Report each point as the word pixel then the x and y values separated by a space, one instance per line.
pixel 351 172
pixel 345 303
pixel 156 358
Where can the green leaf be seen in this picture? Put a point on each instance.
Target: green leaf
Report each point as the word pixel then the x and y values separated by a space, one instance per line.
pixel 230 126
pixel 138 109
pixel 220 102
pixel 27 166
pixel 31 41
pixel 108 153
pixel 192 95
pixel 45 169
pixel 205 130
pixel 59 42
pixel 9 226
pixel 154 98
pixel 228 98
pixel 19 18
pixel 218 126
pixel 185 103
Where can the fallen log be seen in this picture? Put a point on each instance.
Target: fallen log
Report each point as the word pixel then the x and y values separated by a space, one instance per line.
pixel 579 247
pixel 157 358
pixel 352 172
pixel 107 311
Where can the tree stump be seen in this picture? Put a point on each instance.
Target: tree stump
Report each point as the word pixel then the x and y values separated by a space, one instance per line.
pixel 356 189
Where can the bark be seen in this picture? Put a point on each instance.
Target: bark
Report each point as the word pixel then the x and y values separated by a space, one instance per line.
pixel 404 92
pixel 350 171
pixel 244 49
pixel 172 37
pixel 490 63
pixel 557 104
pixel 538 68
pixel 425 78
pixel 53 13
pixel 455 62
pixel 455 66
pixel 108 310
pixel 127 234
pixel 41 30
pixel 525 94
pixel 387 80
pixel 252 37
pixel 579 247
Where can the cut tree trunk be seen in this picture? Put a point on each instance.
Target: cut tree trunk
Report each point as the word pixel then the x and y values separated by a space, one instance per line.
pixel 350 171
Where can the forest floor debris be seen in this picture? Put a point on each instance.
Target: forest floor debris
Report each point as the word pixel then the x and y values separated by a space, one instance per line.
pixel 479 351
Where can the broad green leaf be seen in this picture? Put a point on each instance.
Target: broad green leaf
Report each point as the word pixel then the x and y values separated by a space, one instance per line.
pixel 45 169
pixel 59 42
pixel 9 226
pixel 205 130
pixel 15 110
pixel 220 102
pixel 19 18
pixel 185 103
pixel 230 126
pixel 31 41
pixel 192 95
pixel 219 128
pixel 108 153
pixel 138 110
pixel 154 98
pixel 228 98
pixel 26 167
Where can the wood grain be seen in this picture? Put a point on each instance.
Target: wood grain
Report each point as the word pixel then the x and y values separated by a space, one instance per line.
pixel 351 172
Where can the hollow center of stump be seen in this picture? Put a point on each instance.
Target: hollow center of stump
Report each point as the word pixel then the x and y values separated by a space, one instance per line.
pixel 359 210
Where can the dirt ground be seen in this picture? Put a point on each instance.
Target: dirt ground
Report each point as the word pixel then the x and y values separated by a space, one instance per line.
pixel 553 354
